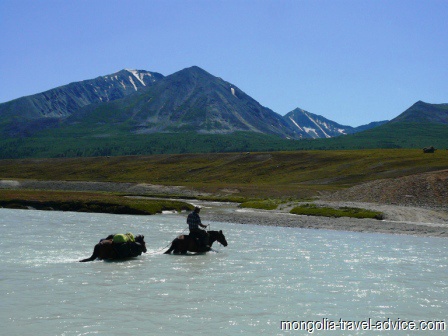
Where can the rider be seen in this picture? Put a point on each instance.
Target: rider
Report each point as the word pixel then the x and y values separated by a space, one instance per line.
pixel 194 222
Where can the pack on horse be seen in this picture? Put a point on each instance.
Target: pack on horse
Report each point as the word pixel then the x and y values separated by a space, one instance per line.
pixel 185 243
pixel 108 249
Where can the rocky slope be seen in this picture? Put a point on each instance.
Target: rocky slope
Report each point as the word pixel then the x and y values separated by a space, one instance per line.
pixel 428 189
pixel 25 114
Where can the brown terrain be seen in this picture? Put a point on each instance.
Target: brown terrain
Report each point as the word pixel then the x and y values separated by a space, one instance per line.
pixel 427 190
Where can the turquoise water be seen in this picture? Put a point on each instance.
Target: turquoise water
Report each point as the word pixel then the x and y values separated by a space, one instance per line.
pixel 264 276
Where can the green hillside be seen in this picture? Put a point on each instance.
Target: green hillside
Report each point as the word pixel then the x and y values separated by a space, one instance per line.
pixel 104 140
pixel 391 135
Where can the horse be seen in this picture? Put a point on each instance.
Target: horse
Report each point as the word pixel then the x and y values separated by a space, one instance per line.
pixel 106 249
pixel 185 243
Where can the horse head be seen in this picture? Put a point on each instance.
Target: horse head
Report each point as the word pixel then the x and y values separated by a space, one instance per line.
pixel 219 236
pixel 141 240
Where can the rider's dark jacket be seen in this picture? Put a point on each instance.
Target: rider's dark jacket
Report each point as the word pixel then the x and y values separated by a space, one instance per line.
pixel 193 221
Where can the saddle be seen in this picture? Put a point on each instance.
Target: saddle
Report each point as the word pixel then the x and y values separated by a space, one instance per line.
pixel 201 244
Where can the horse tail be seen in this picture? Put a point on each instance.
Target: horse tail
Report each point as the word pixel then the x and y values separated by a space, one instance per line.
pixel 171 247
pixel 94 255
pixel 169 250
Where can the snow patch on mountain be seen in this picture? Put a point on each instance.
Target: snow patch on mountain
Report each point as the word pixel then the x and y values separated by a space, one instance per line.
pixel 294 122
pixel 311 132
pixel 311 119
pixel 132 82
pixel 139 76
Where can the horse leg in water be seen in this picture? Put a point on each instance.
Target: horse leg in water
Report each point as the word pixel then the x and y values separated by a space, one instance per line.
pixel 172 247
pixel 177 246
pixel 183 246
pixel 94 255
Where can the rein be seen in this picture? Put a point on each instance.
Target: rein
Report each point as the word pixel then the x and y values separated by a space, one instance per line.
pixel 161 249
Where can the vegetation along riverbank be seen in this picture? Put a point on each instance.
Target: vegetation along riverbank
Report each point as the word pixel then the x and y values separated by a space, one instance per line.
pixel 268 180
pixel 87 202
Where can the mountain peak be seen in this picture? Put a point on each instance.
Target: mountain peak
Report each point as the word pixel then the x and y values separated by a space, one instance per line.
pixel 193 71
pixel 196 69
pixel 298 109
pixel 420 103
pixel 421 112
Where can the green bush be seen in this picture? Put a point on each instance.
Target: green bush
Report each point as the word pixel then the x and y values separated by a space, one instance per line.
pixel 264 205
pixel 314 210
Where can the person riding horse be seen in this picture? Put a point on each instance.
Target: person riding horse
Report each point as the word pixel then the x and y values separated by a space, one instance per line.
pixel 194 222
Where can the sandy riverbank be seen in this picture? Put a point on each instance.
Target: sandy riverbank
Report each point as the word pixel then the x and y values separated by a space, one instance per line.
pixel 399 219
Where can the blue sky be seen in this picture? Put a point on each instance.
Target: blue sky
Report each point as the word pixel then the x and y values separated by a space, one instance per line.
pixel 352 61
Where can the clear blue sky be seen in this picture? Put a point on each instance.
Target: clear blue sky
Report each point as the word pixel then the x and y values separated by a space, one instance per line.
pixel 352 61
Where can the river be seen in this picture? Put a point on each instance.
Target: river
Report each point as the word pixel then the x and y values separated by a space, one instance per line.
pixel 265 275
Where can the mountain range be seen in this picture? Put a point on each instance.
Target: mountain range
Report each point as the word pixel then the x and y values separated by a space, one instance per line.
pixel 139 102
pixel 188 100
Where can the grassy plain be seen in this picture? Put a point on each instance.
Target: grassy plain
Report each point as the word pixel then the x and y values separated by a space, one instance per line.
pixel 298 175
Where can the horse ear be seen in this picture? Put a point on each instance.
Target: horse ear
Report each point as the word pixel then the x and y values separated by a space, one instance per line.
pixel 220 231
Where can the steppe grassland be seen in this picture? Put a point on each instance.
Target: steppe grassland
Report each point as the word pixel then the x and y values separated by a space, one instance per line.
pixel 259 175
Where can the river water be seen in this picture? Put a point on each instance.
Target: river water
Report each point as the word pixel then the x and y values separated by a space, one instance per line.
pixel 264 276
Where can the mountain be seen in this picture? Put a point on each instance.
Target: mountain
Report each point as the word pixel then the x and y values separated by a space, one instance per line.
pixel 189 100
pixel 421 125
pixel 315 126
pixel 369 126
pixel 147 102
pixel 43 109
pixel 422 112
pixel 135 112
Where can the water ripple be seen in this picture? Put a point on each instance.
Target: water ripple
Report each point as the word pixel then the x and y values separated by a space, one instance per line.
pixel 264 276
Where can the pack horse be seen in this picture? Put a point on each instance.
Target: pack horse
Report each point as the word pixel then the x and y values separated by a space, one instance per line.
pixel 118 246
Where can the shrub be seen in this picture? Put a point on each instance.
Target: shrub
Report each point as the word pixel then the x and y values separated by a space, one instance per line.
pixel 264 205
pixel 314 210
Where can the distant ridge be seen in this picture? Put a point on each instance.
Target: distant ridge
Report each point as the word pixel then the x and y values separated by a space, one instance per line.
pixel 422 112
pixel 315 126
pixel 63 101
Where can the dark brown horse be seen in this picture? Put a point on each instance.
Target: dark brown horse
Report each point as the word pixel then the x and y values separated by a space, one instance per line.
pixel 185 243
pixel 107 249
